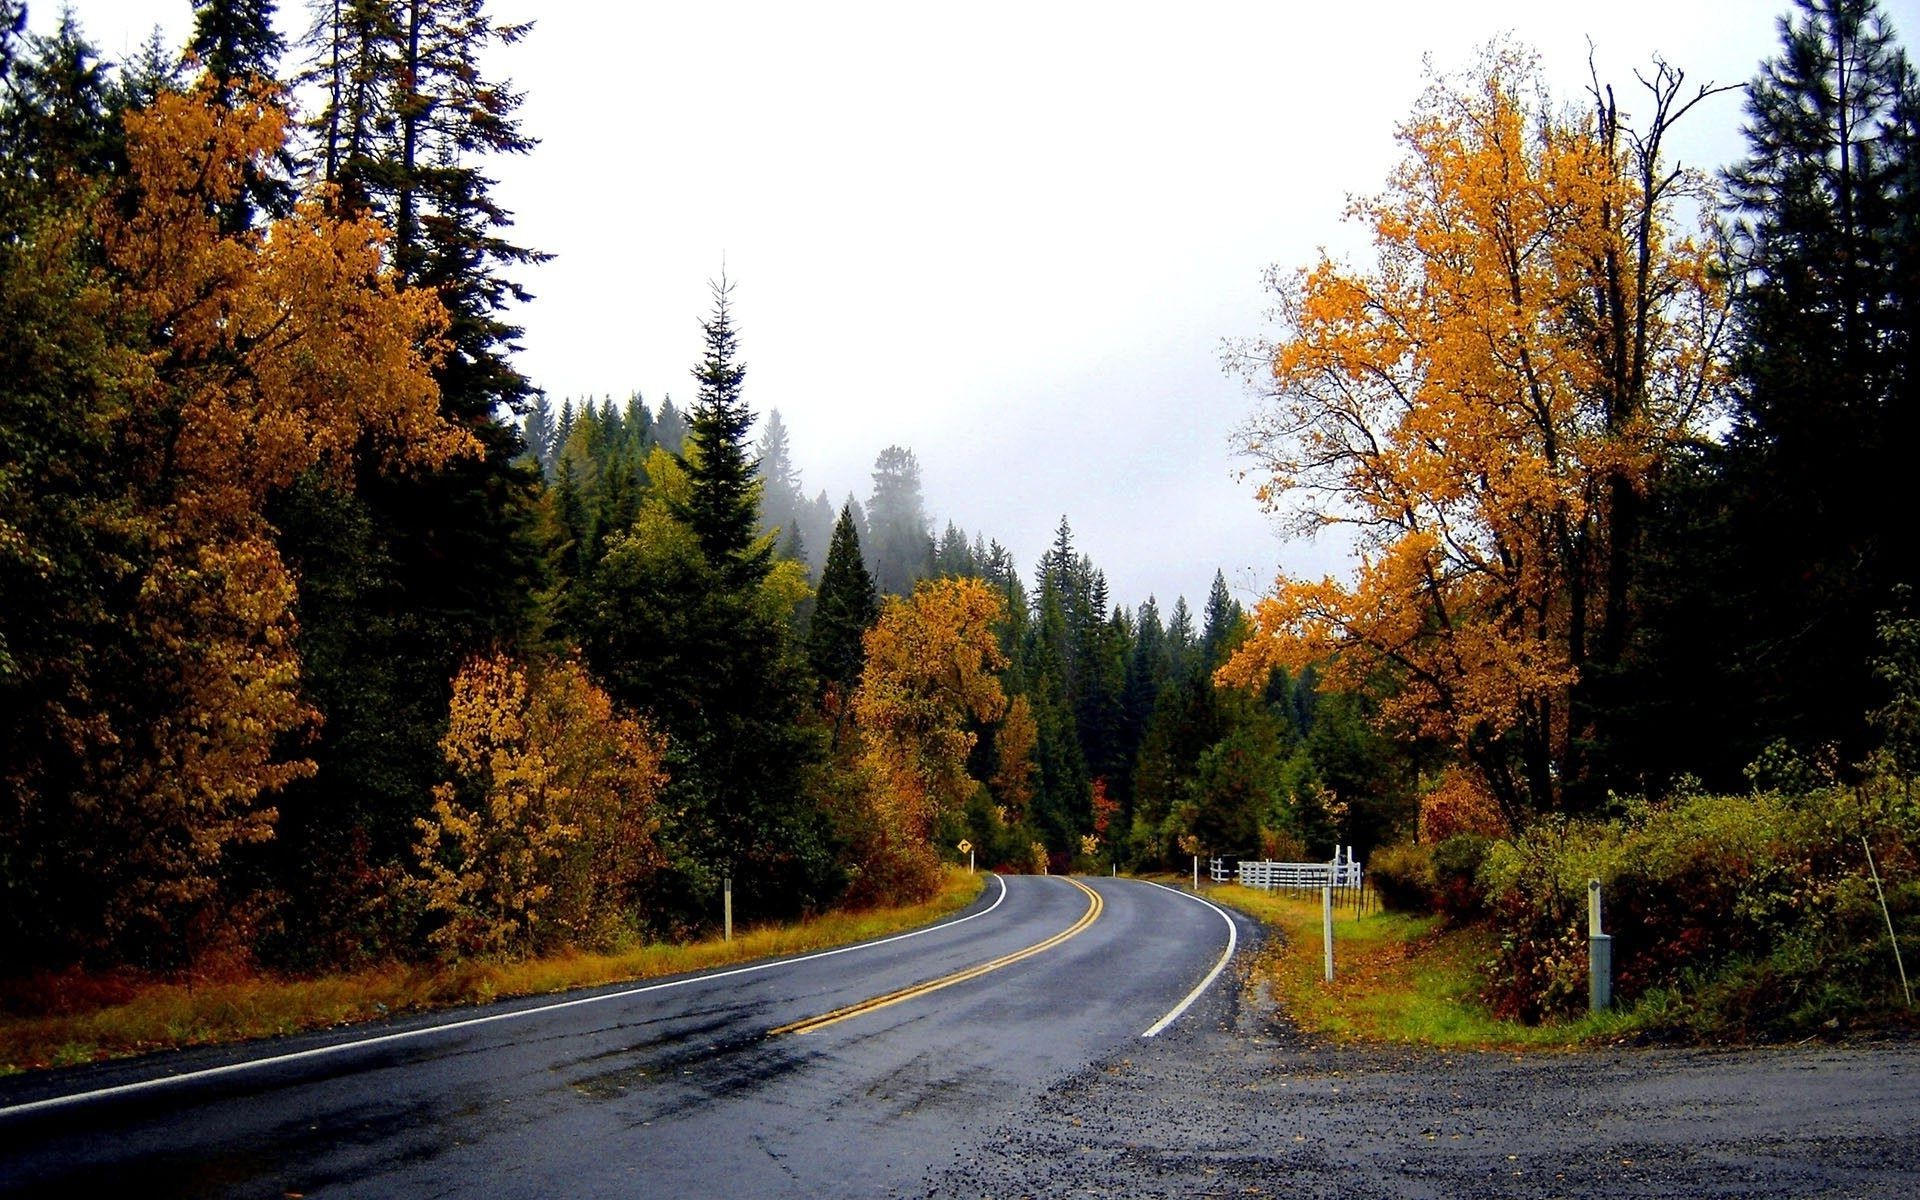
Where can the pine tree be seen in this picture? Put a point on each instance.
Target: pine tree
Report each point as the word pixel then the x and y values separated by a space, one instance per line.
pixel 846 606
pixel 537 432
pixel 670 430
pixel 781 499
pixel 237 45
pixel 898 541
pixel 1770 555
pixel 723 509
pixel 1222 620
pixel 155 69
pixel 55 133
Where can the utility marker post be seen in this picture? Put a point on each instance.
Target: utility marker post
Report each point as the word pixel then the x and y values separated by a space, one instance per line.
pixel 1599 954
pixel 1888 917
pixel 1326 922
pixel 726 904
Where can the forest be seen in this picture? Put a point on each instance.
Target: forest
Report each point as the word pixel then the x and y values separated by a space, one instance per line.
pixel 328 637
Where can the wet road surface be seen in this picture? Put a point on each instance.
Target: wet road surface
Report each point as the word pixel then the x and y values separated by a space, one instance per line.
pixel 676 1090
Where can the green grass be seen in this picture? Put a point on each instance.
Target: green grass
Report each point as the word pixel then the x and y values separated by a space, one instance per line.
pixel 124 1017
pixel 1397 979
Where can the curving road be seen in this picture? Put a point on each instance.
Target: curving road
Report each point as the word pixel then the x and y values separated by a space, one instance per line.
pixel 856 1072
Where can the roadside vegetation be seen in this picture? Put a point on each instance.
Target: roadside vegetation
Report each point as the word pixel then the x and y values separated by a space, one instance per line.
pixel 71 1018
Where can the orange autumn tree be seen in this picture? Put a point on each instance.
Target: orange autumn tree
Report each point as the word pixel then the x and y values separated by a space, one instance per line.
pixel 1483 407
pixel 543 838
pixel 246 359
pixel 930 673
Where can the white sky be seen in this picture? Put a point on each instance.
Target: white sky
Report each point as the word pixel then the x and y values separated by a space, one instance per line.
pixel 1010 236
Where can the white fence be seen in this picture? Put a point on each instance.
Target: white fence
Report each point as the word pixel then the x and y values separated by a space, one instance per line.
pixel 1342 872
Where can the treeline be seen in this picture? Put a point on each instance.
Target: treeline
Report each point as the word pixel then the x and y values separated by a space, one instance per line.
pixel 325 637
pixel 1134 753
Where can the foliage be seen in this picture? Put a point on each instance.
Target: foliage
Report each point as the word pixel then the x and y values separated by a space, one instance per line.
pixel 845 608
pixel 1402 876
pixel 1706 891
pixel 1466 408
pixel 1458 804
pixel 156 700
pixel 544 836
pixel 929 677
pixel 722 504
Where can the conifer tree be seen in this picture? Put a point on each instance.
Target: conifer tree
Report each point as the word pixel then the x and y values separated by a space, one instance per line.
pixel 899 546
pixel 723 507
pixel 781 499
pixel 844 609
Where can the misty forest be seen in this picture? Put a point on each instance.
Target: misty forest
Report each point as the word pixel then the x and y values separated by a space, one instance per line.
pixel 329 638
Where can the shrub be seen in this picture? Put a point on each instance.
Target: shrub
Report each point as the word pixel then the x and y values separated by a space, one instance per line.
pixel 1746 911
pixel 544 833
pixel 1456 864
pixel 1402 877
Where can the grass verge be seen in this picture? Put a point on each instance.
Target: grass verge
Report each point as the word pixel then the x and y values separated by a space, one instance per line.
pixel 160 1015
pixel 1397 979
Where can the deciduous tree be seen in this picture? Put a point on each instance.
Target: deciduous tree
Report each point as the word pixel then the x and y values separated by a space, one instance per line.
pixel 1531 340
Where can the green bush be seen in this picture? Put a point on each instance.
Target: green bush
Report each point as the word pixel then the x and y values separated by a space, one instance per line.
pixel 1728 913
pixel 1456 866
pixel 1402 876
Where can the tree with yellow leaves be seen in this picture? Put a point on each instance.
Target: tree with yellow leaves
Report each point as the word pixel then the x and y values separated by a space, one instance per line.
pixel 1483 408
pixel 544 836
pixel 929 682
pixel 161 684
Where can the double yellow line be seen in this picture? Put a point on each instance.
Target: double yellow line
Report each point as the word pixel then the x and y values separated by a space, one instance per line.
pixel 1094 905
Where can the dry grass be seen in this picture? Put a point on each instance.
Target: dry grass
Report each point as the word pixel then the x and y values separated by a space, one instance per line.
pixel 144 1016
pixel 1397 978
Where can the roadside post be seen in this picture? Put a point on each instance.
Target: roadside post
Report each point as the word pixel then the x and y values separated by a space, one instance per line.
pixel 1888 917
pixel 726 904
pixel 1196 872
pixel 1599 954
pixel 1326 925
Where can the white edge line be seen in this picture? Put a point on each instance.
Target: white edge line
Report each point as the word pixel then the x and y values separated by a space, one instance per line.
pixel 425 1030
pixel 1233 939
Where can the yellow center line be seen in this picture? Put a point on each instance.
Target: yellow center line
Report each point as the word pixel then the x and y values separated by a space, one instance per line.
pixel 1094 906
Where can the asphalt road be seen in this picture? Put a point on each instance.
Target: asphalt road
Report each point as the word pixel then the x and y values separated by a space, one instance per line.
pixel 696 1088
pixel 1028 1079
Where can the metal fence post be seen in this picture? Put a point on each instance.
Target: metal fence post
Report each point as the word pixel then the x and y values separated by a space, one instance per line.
pixel 1599 954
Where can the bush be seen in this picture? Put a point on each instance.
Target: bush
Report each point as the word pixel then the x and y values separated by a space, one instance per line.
pixel 1402 877
pixel 1456 866
pixel 1739 913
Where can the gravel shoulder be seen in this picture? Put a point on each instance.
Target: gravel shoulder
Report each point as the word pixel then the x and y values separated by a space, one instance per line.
pixel 1235 1101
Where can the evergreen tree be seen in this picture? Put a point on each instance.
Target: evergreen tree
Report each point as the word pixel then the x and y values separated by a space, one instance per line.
pixel 1223 618
pixel 237 45
pixel 55 134
pixel 723 507
pixel 537 432
pixel 898 541
pixel 670 430
pixel 781 499
pixel 1768 556
pixel 846 606
pixel 154 70
pixel 954 556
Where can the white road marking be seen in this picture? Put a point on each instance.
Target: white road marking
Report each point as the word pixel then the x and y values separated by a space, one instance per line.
pixel 1233 939
pixel 470 1022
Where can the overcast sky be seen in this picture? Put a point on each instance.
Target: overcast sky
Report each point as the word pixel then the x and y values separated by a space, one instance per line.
pixel 1010 236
